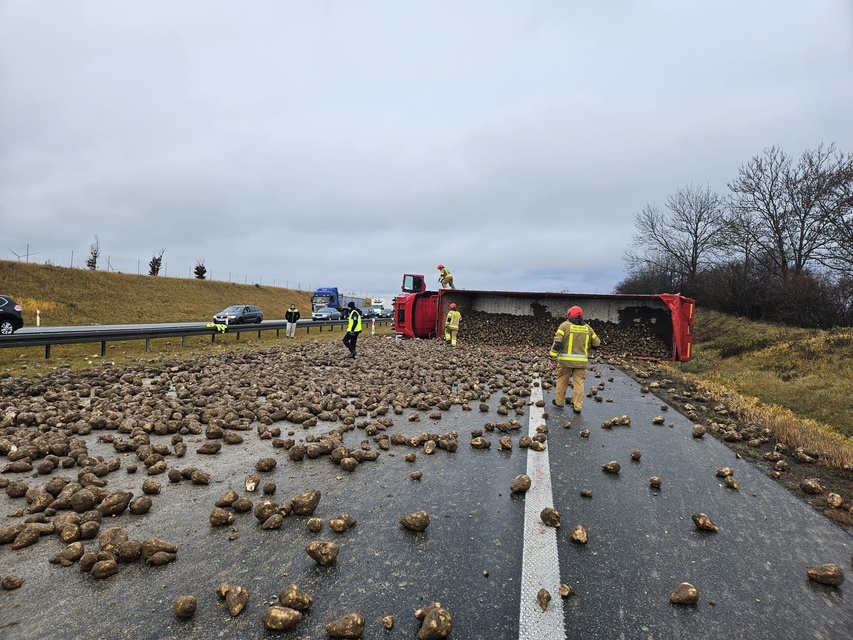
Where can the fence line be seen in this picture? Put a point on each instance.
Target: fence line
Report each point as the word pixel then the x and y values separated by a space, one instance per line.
pixel 116 264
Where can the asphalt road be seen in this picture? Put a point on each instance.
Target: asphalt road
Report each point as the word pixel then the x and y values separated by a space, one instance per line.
pixel 477 555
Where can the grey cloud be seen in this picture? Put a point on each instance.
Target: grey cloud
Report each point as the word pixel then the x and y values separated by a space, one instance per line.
pixel 369 138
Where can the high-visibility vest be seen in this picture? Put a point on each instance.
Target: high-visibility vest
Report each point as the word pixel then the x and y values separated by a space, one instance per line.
pixel 354 321
pixel 453 319
pixel 563 349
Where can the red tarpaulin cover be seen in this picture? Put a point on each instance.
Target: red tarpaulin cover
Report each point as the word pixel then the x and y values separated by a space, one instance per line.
pixel 682 323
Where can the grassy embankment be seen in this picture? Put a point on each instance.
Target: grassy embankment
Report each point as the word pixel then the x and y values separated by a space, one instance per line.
pixel 797 382
pixel 67 296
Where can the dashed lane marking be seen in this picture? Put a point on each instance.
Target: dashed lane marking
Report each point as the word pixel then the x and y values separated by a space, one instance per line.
pixel 540 566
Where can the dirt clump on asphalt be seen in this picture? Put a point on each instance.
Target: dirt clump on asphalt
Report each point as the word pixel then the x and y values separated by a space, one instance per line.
pixel 793 468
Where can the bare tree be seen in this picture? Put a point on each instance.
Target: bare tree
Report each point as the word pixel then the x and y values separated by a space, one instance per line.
pixel 650 278
pixel 200 270
pixel 682 239
pixel 758 209
pixel 156 262
pixel 837 208
pixel 94 254
pixel 779 209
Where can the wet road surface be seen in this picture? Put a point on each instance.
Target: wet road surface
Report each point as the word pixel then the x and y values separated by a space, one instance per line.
pixel 751 575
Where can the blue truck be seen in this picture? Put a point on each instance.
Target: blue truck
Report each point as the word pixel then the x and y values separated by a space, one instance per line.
pixel 329 297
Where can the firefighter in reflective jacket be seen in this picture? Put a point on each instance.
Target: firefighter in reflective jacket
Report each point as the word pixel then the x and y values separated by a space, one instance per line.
pixel 451 324
pixel 569 351
pixel 353 329
pixel 445 277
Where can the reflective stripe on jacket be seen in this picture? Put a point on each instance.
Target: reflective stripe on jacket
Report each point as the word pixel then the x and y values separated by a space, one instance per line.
pixel 453 319
pixel 571 343
pixel 354 323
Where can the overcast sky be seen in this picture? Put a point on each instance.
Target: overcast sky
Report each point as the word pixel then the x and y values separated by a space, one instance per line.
pixel 343 143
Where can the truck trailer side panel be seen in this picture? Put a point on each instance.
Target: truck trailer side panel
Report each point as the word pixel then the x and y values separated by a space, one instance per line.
pixel 668 316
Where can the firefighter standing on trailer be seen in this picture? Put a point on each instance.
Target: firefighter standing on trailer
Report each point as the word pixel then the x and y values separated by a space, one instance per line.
pixel 445 277
pixel 570 353
pixel 353 329
pixel 451 324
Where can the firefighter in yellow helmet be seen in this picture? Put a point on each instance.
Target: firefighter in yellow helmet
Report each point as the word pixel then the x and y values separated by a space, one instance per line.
pixel 451 324
pixel 445 277
pixel 570 353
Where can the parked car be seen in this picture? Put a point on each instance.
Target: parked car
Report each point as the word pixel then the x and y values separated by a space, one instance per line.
pixel 387 312
pixel 326 313
pixel 240 314
pixel 368 312
pixel 11 318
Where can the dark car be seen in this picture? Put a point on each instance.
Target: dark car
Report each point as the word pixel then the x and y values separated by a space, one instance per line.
pixel 326 313
pixel 11 318
pixel 240 314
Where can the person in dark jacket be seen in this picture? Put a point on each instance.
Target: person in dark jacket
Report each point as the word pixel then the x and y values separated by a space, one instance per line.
pixel 291 317
pixel 353 328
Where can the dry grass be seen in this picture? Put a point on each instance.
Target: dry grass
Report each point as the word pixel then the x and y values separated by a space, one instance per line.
pixel 796 382
pixel 786 426
pixel 67 296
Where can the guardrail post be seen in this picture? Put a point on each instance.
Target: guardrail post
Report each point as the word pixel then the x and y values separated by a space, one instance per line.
pixel 103 348
pixel 148 344
pixel 47 352
pixel 183 341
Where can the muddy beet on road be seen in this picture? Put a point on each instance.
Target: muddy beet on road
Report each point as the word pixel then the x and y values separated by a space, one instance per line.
pixel 483 555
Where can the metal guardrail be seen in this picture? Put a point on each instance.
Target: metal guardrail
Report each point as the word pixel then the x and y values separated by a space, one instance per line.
pixel 49 336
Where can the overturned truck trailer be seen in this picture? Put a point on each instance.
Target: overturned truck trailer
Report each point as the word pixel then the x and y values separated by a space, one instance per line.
pixel 644 326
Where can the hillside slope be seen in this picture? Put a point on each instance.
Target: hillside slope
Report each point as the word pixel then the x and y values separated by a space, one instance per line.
pixel 808 371
pixel 67 296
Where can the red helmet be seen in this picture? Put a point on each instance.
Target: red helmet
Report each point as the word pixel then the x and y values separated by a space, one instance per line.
pixel 452 305
pixel 574 312
pixel 441 266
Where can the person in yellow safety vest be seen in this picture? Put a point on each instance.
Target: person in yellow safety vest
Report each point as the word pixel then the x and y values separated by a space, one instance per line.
pixel 445 277
pixel 291 317
pixel 570 353
pixel 451 324
pixel 353 329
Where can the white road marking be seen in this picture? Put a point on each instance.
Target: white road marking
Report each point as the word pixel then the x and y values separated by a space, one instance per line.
pixel 540 567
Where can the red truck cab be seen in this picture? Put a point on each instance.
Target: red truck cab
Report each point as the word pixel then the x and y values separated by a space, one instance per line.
pixel 415 309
